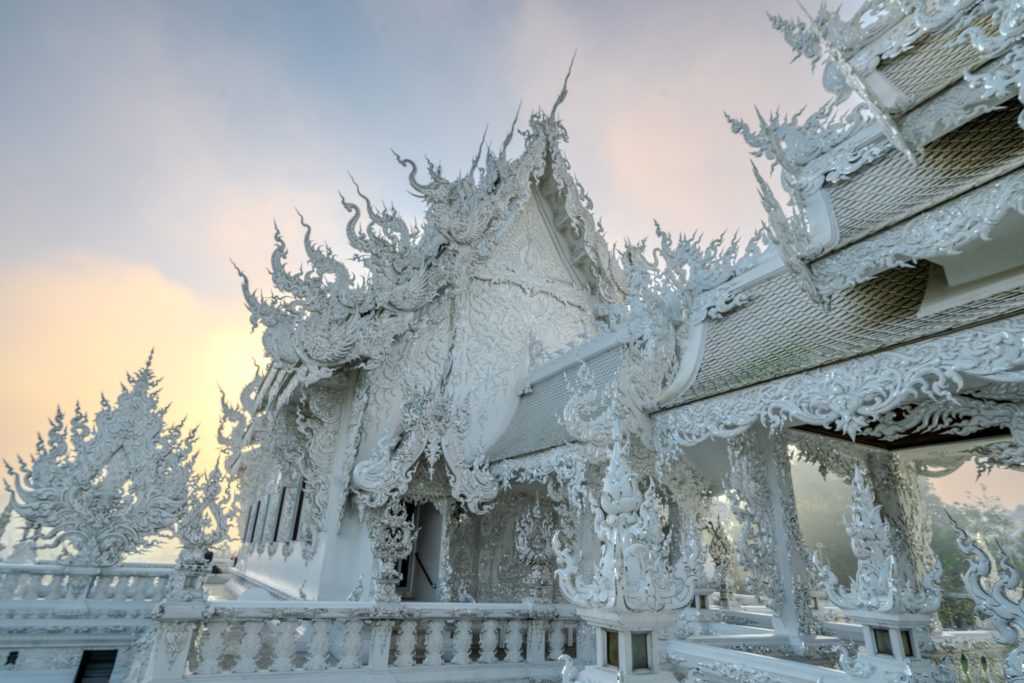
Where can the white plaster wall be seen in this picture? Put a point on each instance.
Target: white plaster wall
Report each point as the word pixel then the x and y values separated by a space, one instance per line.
pixel 347 558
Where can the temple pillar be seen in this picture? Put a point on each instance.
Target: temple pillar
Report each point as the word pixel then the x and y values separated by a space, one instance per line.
pixel 771 547
pixel 895 483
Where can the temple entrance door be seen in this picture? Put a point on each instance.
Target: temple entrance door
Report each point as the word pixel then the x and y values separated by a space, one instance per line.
pixel 425 561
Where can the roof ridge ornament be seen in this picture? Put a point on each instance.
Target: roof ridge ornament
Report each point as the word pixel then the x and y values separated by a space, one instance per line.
pixel 854 83
pixel 791 235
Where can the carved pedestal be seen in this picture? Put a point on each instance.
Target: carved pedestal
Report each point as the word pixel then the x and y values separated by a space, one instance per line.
pixel 630 646
pixel 895 644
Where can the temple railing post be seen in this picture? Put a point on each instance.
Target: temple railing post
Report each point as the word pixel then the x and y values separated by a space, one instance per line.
pixel 887 597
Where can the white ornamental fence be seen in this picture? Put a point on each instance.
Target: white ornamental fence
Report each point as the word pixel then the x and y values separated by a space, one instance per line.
pixel 969 656
pixel 22 583
pixel 364 641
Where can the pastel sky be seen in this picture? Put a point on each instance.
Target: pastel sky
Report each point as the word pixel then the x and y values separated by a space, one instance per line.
pixel 144 144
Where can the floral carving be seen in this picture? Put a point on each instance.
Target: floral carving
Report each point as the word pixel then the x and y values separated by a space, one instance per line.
pixel 204 524
pixel 851 395
pixel 532 526
pixel 391 539
pixel 943 231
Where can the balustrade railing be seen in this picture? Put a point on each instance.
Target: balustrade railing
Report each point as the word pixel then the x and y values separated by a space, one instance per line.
pixel 248 638
pixel 125 583
pixel 974 655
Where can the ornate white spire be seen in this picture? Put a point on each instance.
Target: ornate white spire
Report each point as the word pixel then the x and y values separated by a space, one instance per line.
pixel 635 572
pixel 879 585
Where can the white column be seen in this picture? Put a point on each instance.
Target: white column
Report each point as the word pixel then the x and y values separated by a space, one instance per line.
pixel 771 547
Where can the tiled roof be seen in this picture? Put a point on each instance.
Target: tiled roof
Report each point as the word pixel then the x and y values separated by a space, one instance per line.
pixel 781 331
pixel 892 189
pixel 536 424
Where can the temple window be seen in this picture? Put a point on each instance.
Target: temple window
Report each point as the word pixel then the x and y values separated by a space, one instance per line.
pixel 883 644
pixel 611 649
pixel 641 651
pixel 296 525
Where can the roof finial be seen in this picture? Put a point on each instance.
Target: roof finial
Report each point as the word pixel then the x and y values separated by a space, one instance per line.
pixel 511 131
pixel 479 151
pixel 565 87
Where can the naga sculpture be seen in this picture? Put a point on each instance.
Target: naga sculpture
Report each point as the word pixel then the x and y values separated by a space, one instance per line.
pixel 996 602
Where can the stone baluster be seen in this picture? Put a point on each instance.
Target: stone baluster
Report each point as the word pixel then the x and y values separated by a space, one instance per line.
pixel 405 646
pixel 100 588
pixel 434 647
pixel 140 585
pixel 130 587
pixel 556 639
pixel 120 587
pixel 27 586
pixel 488 642
pixel 283 644
pixel 23 585
pixel 535 636
pixel 54 584
pixel 9 584
pixel 380 643
pixel 113 586
pixel 462 641
pixel 149 587
pixel 351 645
pixel 514 641
pixel 36 584
pixel 319 645
pixel 78 586
pixel 155 588
pixel 37 589
pixel 249 648
pixel 211 647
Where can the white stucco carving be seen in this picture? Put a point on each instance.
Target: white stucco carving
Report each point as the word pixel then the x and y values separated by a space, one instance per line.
pixel 100 490
pixel 880 583
pixel 495 402
pixel 996 601
pixel 634 571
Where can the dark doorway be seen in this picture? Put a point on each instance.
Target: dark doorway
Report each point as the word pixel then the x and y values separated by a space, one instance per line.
pixel 96 666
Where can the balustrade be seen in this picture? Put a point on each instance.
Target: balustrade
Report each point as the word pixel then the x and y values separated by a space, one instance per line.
pixel 300 636
pixel 969 656
pixel 125 583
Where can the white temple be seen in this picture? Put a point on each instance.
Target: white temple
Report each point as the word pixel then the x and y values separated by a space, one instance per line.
pixel 493 455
